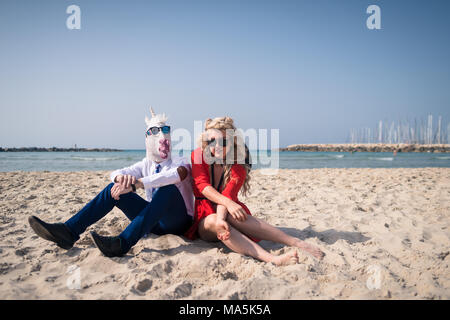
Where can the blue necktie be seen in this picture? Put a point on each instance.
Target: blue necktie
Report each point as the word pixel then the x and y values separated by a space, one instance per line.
pixel 158 169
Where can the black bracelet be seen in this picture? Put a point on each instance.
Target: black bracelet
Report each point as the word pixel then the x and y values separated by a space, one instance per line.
pixel 133 187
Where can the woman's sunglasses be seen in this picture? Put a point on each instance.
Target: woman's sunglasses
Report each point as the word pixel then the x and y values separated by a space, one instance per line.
pixel 213 142
pixel 155 130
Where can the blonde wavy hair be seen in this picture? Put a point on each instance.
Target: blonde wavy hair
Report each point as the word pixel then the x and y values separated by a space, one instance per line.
pixel 241 154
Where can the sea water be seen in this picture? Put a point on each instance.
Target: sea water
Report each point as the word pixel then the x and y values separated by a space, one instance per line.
pixel 92 161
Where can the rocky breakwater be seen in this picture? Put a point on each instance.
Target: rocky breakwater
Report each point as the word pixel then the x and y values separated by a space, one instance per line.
pixel 55 149
pixel 370 147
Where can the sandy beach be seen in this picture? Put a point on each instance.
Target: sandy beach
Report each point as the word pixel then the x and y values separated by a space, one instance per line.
pixel 385 233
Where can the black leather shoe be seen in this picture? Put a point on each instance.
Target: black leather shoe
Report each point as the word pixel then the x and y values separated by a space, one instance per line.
pixel 109 246
pixel 56 232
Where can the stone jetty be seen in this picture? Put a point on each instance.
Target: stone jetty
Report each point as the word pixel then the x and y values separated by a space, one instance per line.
pixel 55 149
pixel 370 147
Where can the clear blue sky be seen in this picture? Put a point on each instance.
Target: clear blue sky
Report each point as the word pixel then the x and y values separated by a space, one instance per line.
pixel 309 68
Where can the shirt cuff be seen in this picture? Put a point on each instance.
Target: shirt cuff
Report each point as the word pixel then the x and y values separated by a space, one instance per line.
pixel 113 175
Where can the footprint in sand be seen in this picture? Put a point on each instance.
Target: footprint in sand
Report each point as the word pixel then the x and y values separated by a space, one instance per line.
pixel 183 290
pixel 5 267
pixel 161 269
pixel 23 251
pixel 143 285
pixel 406 242
pixel 36 267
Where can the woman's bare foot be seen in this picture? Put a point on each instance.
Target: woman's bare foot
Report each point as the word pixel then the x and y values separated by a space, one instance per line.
pixel 223 230
pixel 286 259
pixel 313 250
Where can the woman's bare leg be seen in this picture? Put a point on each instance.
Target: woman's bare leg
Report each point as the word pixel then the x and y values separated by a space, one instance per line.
pixel 240 243
pixel 260 229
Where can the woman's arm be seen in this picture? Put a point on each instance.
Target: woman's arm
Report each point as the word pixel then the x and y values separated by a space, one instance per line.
pixel 215 196
pixel 238 175
pixel 222 227
pixel 221 212
pixel 232 207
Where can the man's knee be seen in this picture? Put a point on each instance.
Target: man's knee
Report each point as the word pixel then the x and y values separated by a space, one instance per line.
pixel 108 187
pixel 170 189
pixel 106 192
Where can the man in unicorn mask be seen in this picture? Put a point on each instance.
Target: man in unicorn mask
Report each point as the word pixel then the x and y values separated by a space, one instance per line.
pixel 168 187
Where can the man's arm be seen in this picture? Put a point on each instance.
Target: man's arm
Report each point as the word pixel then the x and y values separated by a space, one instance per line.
pixel 135 170
pixel 125 187
pixel 172 176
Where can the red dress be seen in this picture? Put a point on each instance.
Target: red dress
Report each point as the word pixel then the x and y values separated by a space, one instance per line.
pixel 201 179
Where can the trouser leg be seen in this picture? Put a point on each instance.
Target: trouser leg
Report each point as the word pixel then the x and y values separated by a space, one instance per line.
pixel 130 203
pixel 166 213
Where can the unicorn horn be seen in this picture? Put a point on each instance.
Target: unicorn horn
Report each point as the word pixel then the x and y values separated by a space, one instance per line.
pixel 152 112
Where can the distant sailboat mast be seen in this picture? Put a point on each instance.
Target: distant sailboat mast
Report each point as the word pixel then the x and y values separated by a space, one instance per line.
pixel 403 131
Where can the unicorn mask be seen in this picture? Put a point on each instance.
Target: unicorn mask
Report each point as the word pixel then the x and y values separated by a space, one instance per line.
pixel 158 145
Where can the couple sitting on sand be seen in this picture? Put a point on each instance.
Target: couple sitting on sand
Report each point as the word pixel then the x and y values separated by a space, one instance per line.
pixel 170 184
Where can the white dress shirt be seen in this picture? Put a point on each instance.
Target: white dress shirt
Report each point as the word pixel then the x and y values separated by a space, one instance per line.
pixel 145 170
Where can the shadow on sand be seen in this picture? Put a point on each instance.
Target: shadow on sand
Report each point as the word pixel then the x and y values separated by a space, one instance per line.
pixel 328 236
pixel 197 246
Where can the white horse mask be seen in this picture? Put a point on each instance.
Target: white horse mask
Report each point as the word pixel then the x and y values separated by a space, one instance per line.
pixel 159 145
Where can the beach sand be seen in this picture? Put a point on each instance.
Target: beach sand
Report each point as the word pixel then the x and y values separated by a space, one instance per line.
pixel 385 233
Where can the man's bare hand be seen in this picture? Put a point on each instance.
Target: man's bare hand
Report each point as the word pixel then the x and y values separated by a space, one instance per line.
pixel 127 180
pixel 118 189
pixel 182 172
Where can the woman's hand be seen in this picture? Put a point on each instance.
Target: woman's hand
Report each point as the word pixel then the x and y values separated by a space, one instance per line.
pixel 236 211
pixel 222 229
pixel 118 189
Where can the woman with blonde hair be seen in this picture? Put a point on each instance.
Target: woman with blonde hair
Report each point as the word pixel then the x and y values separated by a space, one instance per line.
pixel 220 169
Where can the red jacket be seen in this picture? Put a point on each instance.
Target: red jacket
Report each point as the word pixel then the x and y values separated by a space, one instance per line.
pixel 201 179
